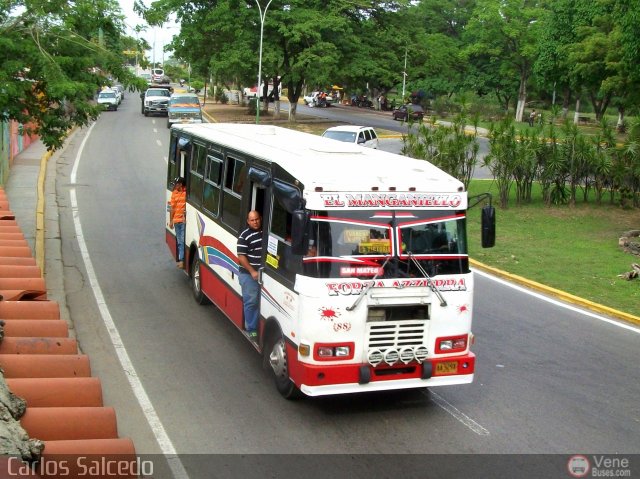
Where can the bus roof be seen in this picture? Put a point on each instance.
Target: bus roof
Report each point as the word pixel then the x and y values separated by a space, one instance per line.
pixel 328 164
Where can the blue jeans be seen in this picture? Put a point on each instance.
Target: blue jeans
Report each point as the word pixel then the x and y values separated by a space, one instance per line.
pixel 250 301
pixel 179 227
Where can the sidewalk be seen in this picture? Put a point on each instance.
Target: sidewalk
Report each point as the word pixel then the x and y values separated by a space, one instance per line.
pixel 22 189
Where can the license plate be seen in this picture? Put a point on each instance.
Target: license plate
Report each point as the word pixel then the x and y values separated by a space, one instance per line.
pixel 447 367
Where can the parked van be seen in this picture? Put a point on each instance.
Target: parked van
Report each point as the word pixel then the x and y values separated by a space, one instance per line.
pixel 184 108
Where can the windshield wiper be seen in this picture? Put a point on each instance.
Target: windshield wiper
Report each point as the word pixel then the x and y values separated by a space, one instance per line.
pixel 431 285
pixel 368 287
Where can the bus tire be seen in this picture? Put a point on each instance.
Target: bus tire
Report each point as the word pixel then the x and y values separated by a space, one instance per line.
pixel 277 358
pixel 196 285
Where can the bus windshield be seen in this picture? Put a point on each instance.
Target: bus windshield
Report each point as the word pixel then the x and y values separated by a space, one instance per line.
pixel 385 244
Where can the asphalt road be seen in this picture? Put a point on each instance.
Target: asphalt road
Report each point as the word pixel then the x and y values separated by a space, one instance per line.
pixel 550 380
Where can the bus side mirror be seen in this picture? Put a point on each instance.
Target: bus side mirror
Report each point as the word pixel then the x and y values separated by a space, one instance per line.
pixel 299 232
pixel 488 226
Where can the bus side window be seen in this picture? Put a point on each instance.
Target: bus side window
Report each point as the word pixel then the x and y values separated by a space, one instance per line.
pixel 212 185
pixel 196 174
pixel 280 227
pixel 231 214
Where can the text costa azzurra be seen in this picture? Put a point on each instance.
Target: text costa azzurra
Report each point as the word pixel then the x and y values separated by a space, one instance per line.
pixel 346 288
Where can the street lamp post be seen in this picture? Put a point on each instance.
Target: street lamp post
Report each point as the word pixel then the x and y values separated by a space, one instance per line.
pixel 262 17
pixel 404 74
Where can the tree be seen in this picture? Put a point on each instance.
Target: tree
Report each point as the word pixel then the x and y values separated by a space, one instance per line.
pixel 436 65
pixel 54 56
pixel 504 32
pixel 552 68
pixel 303 39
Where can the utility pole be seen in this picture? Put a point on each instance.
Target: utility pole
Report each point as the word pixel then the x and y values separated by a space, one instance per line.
pixel 262 16
pixel 404 74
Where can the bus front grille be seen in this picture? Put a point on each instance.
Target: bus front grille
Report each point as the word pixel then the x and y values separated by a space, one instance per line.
pixel 398 341
pixel 395 335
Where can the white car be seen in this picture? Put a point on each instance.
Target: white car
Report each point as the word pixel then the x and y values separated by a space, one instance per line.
pixel 359 135
pixel 118 87
pixel 313 100
pixel 108 99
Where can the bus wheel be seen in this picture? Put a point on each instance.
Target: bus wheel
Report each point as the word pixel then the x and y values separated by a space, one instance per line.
pixel 196 286
pixel 278 360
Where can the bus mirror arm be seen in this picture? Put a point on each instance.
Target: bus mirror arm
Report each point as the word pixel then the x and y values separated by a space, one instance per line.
pixel 474 200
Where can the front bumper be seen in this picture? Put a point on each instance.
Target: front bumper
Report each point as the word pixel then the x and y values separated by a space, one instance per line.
pixel 154 107
pixel 109 106
pixel 321 380
pixel 184 120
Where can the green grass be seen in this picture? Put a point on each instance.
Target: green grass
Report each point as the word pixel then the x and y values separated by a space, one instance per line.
pixel 572 249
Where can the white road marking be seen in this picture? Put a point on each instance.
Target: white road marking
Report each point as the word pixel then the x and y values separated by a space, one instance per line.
pixel 457 414
pixel 166 446
pixel 561 304
pixel 159 143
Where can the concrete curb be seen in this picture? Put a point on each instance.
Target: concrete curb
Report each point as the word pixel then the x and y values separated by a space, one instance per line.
pixel 564 296
pixel 39 245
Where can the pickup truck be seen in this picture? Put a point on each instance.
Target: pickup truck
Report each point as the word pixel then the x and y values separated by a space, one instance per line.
pixel 184 108
pixel 155 100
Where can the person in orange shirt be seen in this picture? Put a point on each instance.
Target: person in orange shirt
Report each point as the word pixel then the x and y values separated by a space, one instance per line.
pixel 178 204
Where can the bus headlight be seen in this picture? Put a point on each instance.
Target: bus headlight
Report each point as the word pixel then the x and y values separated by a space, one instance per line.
pixel 333 352
pixel 452 344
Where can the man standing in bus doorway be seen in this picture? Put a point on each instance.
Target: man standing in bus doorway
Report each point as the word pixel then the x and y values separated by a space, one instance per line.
pixel 250 257
pixel 178 204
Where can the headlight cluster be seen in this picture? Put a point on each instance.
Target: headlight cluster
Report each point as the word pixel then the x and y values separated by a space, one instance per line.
pixel 453 344
pixel 333 351
pixel 392 356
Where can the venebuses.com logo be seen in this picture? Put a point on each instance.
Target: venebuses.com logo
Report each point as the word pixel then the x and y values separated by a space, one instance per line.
pixel 598 466
pixel 578 466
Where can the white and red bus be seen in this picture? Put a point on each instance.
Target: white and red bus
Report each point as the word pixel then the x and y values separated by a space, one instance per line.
pixel 366 283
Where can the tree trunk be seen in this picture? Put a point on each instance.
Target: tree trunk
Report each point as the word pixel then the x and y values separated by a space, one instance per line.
pixel 600 106
pixel 292 111
pixel 576 115
pixel 566 100
pixel 294 90
pixel 620 125
pixel 522 97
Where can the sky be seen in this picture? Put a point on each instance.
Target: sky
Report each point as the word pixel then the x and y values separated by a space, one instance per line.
pixel 161 36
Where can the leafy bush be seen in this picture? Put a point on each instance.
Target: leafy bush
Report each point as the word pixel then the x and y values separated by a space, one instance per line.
pixel 197 85
pixel 220 96
pixel 444 106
